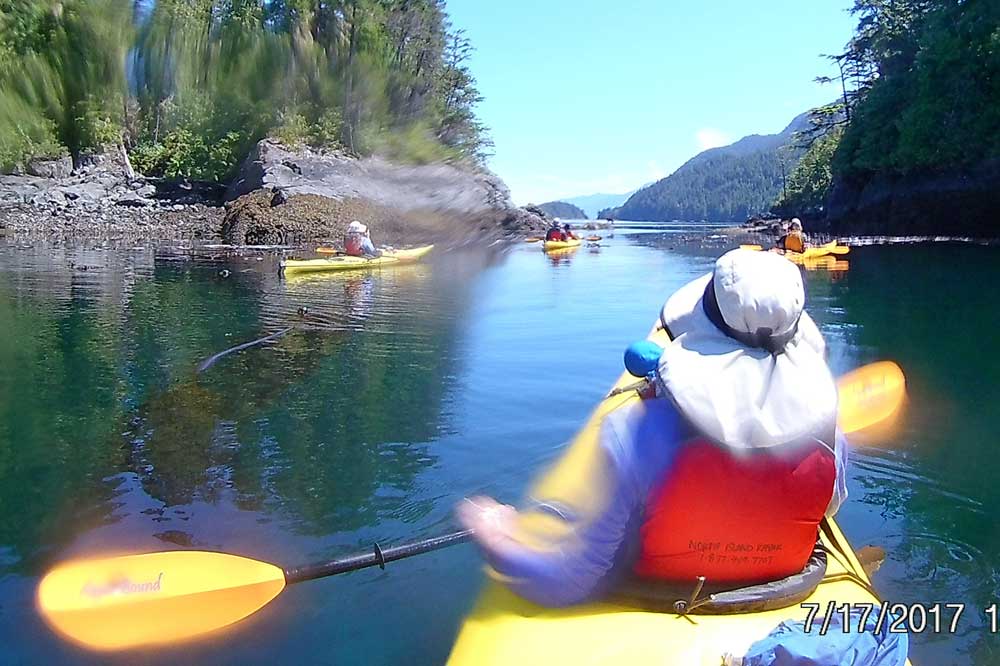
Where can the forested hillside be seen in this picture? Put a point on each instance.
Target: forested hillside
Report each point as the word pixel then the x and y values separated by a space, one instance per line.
pixel 563 210
pixel 917 130
pixel 727 184
pixel 188 86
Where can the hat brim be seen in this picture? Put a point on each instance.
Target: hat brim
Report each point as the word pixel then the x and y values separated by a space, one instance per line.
pixel 741 396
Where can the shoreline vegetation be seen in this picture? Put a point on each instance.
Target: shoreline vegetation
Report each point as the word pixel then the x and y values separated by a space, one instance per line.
pixel 192 92
pixel 278 122
pixel 910 147
pixel 913 145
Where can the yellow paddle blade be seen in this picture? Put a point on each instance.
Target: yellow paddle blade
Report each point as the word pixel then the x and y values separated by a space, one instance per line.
pixel 870 395
pixel 135 600
pixel 532 240
pixel 840 249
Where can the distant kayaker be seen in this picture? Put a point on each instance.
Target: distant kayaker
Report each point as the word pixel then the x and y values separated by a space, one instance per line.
pixel 794 240
pixel 358 241
pixel 724 469
pixel 555 233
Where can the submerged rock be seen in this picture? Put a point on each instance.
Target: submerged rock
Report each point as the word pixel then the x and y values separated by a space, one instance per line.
pixel 915 204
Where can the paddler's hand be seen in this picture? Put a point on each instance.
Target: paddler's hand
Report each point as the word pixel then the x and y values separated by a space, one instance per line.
pixel 491 522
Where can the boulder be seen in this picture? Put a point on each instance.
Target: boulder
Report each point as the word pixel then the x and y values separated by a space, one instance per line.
pixel 49 198
pixel 428 201
pixel 85 192
pixel 448 188
pixel 134 200
pixel 59 167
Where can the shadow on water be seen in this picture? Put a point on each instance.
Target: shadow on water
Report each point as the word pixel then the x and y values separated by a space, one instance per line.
pixel 105 422
pixel 927 495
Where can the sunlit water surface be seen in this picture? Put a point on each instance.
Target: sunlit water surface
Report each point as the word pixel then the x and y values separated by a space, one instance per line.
pixel 396 393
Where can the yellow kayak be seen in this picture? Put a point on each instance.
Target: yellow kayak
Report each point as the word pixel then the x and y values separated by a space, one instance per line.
pixel 816 252
pixel 811 253
pixel 505 629
pixel 548 246
pixel 348 263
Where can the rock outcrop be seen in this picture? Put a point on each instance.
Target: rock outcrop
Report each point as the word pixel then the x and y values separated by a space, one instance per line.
pixel 102 197
pixel 917 204
pixel 285 196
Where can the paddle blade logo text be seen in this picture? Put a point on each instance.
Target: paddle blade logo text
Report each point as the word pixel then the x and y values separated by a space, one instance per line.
pixel 122 586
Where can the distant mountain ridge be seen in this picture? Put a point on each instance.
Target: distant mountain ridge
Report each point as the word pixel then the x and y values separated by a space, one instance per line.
pixel 561 209
pixel 724 184
pixel 591 204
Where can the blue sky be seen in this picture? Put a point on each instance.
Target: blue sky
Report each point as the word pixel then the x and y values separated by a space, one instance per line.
pixel 585 96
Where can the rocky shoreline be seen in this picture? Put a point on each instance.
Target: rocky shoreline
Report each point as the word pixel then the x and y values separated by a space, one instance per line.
pixel 279 197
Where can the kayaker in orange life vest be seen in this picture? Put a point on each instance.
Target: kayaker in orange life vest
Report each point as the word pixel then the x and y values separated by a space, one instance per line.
pixel 724 471
pixel 568 233
pixel 794 240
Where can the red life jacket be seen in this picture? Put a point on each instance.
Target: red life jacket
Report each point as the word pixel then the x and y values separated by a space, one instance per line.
pixel 555 235
pixel 736 516
pixel 352 245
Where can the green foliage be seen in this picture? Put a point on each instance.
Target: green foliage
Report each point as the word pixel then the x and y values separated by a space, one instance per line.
pixel 210 77
pixel 184 153
pixel 25 134
pixel 295 129
pixel 810 180
pixel 415 144
pixel 935 101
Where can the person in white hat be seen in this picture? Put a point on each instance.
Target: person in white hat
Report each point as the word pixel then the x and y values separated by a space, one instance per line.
pixel 358 241
pixel 725 470
pixel 794 240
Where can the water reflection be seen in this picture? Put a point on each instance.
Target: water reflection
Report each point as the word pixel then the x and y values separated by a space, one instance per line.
pixel 398 391
pixel 322 427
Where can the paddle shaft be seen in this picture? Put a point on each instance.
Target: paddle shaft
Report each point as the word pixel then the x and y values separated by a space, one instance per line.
pixel 377 557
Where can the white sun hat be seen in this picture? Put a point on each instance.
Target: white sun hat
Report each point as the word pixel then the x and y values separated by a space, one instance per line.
pixel 747 366
pixel 356 227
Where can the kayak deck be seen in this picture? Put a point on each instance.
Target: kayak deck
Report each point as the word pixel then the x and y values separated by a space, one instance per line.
pixel 346 263
pixel 548 246
pixel 505 629
pixel 812 253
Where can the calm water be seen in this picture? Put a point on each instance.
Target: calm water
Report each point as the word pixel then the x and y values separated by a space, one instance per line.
pixel 397 393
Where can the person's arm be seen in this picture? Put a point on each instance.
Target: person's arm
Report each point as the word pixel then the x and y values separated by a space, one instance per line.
pixel 635 452
pixel 840 484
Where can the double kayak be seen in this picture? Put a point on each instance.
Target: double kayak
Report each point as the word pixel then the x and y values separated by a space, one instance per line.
pixel 506 629
pixel 349 263
pixel 549 246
